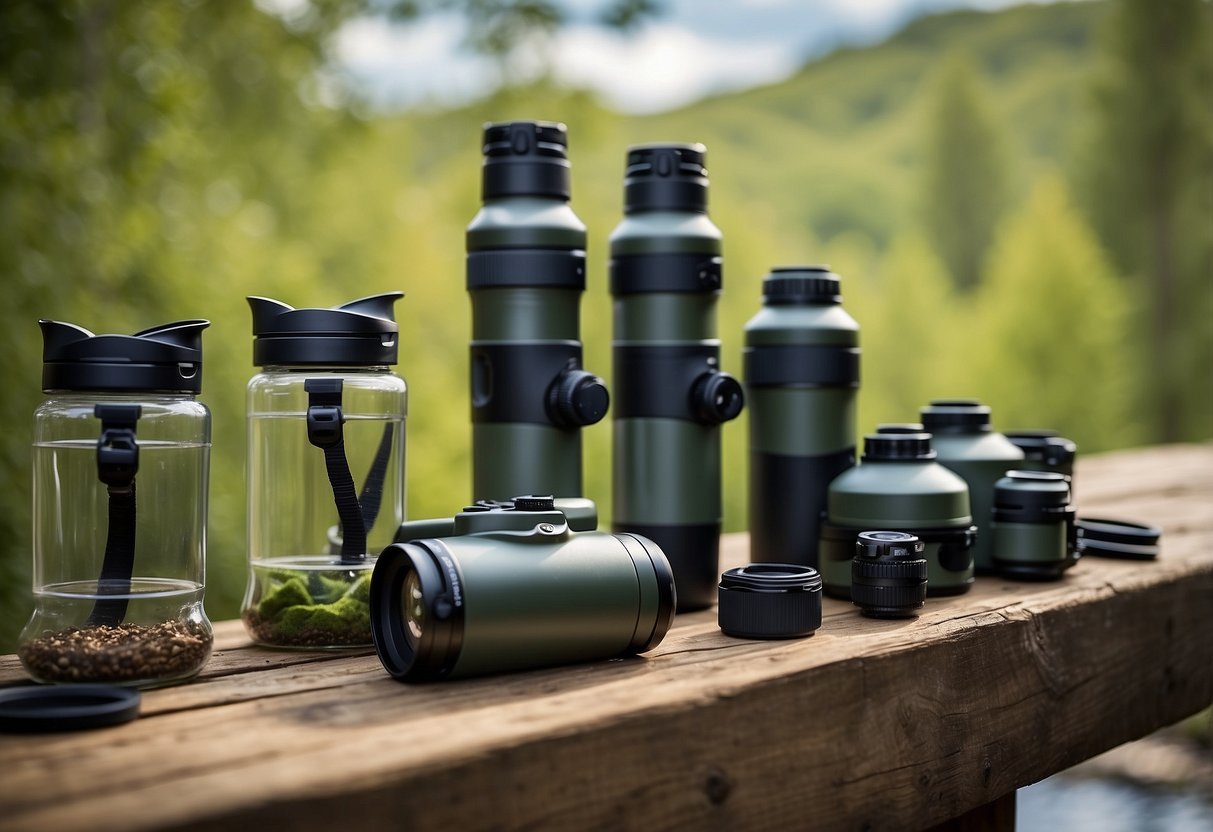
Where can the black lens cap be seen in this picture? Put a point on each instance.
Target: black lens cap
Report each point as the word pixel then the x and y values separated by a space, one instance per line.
pixel 1117 539
pixel 38 709
pixel 770 600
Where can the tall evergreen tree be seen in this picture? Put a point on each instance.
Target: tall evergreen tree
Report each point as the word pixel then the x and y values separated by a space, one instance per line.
pixel 1049 345
pixel 965 183
pixel 1147 180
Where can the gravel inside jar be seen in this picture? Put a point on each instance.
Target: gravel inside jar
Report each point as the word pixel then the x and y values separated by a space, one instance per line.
pixel 121 654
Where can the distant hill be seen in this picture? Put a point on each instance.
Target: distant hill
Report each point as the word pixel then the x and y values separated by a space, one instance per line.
pixel 835 148
pixel 806 170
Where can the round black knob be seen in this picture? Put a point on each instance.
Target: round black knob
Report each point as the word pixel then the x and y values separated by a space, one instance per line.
pixel 716 397
pixel 535 502
pixel 577 398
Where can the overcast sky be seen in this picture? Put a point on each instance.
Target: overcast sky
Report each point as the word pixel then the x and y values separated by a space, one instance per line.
pixel 696 48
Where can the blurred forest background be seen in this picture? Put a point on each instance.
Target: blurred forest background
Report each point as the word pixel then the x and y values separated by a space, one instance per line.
pixel 1020 205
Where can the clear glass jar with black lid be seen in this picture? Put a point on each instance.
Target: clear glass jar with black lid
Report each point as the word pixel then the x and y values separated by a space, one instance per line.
pixel 326 452
pixel 121 456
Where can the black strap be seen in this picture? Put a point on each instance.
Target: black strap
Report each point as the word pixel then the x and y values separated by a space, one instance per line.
pixel 117 464
pixel 372 488
pixel 325 422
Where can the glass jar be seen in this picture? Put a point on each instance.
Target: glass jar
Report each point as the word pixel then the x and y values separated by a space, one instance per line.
pixel 121 458
pixel 326 452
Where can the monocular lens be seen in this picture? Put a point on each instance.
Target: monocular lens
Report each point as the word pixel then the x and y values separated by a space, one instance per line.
pixel 413 604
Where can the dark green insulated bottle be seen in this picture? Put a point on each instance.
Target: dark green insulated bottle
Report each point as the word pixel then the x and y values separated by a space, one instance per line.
pixel 670 394
pixel 526 274
pixel 898 486
pixel 802 379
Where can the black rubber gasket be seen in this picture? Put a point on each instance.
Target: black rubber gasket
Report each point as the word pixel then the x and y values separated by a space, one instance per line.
pixel 37 709
pixel 1117 539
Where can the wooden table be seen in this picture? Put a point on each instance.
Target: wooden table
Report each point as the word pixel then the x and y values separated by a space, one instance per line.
pixel 865 725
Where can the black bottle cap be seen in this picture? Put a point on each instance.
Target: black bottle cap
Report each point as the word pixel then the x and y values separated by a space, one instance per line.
pixel 770 600
pixel 956 416
pixel 666 177
pixel 361 333
pixel 1117 539
pixel 166 359
pixel 801 286
pixel 525 158
pixel 1045 447
pixel 901 427
pixel 1031 496
pixel 36 709
pixel 888 574
pixel 897 443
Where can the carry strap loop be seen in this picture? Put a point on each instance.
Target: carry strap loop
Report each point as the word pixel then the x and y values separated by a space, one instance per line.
pixel 117 464
pixel 325 421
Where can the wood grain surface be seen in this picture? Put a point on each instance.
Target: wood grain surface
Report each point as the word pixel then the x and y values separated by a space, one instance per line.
pixel 864 725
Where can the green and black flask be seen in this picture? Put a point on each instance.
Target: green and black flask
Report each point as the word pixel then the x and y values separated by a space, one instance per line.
pixel 898 486
pixel 670 394
pixel 526 274
pixel 967 444
pixel 802 379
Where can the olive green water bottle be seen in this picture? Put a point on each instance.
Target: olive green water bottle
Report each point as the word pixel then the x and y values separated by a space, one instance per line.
pixel 802 379
pixel 670 394
pixel 525 274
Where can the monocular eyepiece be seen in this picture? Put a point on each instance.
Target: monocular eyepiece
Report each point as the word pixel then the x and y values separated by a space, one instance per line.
pixel 888 574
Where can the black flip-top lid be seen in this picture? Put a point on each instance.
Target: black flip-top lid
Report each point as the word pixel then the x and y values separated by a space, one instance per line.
pixel 956 416
pixel 361 333
pixel 525 158
pixel 163 359
pixel 666 177
pixel 801 286
pixel 1045 446
pixel 898 443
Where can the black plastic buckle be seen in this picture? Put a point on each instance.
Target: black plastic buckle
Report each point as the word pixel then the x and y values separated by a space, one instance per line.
pixel 117 448
pixel 324 415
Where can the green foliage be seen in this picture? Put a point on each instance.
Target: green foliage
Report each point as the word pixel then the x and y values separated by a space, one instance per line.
pixel 1147 178
pixel 146 179
pixel 965 190
pixel 909 319
pixel 1046 329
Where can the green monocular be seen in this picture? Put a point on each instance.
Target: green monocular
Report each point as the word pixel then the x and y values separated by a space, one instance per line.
pixel 526 274
pixel 515 585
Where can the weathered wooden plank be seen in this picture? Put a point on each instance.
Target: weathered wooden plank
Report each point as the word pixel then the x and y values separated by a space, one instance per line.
pixel 891 723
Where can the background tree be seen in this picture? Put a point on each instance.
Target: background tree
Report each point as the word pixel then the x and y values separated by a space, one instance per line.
pixel 909 334
pixel 1147 179
pixel 1046 328
pixel 965 171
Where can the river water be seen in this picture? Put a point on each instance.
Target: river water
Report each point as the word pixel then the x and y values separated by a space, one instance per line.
pixel 1089 805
